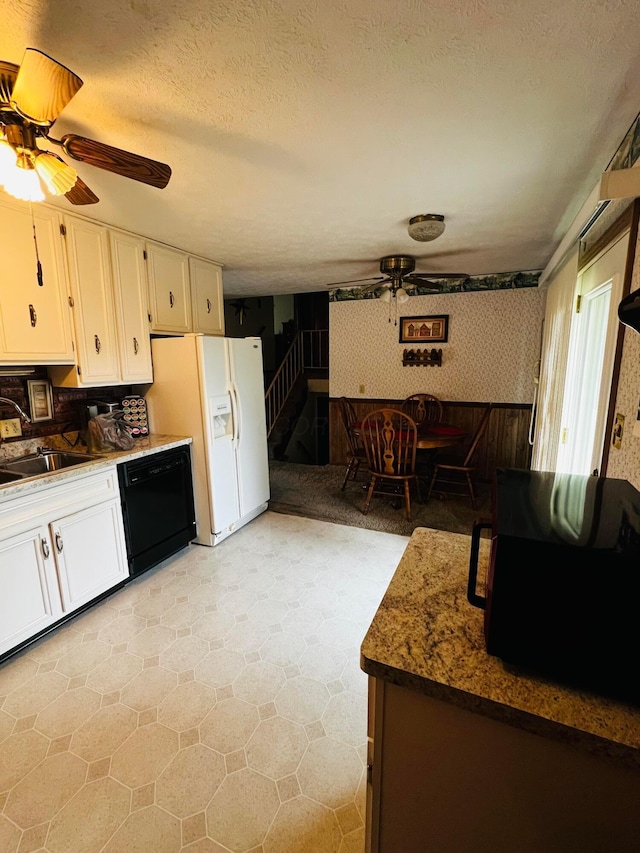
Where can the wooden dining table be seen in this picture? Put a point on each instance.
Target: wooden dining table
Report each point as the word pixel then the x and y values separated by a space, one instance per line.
pixel 434 436
pixel 439 436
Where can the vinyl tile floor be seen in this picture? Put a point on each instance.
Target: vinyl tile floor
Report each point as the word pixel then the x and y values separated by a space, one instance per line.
pixel 214 704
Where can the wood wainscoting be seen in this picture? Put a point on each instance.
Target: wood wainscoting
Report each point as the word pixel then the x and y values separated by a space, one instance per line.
pixel 505 443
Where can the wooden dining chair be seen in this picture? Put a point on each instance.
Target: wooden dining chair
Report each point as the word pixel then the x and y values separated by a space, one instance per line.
pixel 355 451
pixel 456 471
pixel 423 408
pixel 389 437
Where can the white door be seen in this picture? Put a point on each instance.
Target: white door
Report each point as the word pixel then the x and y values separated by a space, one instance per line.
pixel 93 309
pixel 30 599
pixel 590 362
pixel 206 294
pixel 247 393
pixel 169 292
pixel 35 325
pixel 219 431
pixel 90 552
pixel 132 309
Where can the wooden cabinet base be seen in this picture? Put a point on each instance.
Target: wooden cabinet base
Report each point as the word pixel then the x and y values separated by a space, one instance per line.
pixel 446 780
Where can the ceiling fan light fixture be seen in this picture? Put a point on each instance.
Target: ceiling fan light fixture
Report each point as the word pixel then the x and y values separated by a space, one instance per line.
pixel 58 176
pixel 426 227
pixel 385 296
pixel 402 296
pixel 22 181
pixel 7 160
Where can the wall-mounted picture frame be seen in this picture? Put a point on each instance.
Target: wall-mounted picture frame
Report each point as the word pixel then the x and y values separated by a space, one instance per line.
pixel 40 400
pixel 433 329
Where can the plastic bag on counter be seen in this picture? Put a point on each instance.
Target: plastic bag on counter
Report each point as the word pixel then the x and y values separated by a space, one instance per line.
pixel 109 432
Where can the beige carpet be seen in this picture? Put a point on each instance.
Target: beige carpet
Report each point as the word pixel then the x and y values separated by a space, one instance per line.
pixel 314 491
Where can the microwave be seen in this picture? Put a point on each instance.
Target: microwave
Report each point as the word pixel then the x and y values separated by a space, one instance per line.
pixel 562 585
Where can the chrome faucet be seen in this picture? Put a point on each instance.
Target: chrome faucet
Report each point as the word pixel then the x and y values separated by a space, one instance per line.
pixel 25 417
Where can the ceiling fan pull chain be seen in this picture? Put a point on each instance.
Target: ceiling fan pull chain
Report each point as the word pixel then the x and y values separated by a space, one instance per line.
pixel 35 240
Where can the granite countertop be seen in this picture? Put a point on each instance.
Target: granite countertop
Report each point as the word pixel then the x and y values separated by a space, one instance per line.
pixel 143 447
pixel 427 637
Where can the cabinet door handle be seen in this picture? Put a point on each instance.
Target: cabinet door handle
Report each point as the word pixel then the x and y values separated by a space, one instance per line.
pixel 208 306
pixel 33 315
pixel 45 548
pixel 97 343
pixel 171 299
pixel 135 346
pixel 59 543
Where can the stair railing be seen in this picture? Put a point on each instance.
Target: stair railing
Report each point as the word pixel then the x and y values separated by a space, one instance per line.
pixel 286 375
pixel 315 349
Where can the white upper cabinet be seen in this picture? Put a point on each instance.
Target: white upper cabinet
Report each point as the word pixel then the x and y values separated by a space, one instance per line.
pixel 169 291
pixel 132 312
pixel 206 295
pixel 35 326
pixel 108 288
pixel 93 305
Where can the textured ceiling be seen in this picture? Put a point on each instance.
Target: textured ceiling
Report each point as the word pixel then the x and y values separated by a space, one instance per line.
pixel 303 135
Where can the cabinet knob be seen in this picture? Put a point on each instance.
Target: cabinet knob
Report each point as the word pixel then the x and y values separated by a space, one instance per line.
pixel 32 315
pixel 135 346
pixel 96 340
pixel 171 299
pixel 45 548
pixel 208 306
pixel 59 543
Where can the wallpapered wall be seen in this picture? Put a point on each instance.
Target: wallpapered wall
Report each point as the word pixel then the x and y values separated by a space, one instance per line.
pixel 493 347
pixel 625 462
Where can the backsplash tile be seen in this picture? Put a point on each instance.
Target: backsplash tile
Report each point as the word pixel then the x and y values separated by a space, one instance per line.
pixel 66 404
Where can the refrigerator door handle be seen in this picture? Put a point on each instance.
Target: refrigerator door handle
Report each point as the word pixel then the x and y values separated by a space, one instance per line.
pixel 235 410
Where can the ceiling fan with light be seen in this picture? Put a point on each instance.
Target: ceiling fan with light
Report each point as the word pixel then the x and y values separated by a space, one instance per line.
pixel 32 96
pixel 399 276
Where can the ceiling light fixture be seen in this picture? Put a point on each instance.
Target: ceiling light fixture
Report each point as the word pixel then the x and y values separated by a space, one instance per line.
pixel 426 227
pixel 397 293
pixel 21 167
pixel 56 175
pixel 21 181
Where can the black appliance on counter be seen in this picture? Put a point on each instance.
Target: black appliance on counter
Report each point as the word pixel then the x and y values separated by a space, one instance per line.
pixel 563 581
pixel 157 506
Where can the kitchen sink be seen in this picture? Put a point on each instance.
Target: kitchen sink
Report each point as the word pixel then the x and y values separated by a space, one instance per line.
pixel 9 476
pixel 42 463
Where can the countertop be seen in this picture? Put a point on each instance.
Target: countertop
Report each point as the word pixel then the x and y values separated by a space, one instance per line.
pixel 143 447
pixel 427 637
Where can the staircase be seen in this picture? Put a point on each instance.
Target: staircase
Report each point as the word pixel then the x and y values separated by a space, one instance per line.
pixel 287 419
pixel 287 393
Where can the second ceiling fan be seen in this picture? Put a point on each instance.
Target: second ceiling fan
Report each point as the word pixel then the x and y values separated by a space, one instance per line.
pixel 32 96
pixel 398 276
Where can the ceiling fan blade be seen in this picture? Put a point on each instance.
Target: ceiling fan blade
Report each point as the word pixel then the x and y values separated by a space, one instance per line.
pixel 81 194
pixel 372 287
pixel 42 88
pixel 8 74
pixel 116 160
pixel 355 280
pixel 416 276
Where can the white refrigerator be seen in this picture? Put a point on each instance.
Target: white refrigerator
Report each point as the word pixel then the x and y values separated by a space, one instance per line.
pixel 212 389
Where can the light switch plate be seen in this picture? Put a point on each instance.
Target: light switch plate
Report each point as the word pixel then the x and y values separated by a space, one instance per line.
pixel 10 428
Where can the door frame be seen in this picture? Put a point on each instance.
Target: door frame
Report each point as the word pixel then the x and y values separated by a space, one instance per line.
pixel 617 361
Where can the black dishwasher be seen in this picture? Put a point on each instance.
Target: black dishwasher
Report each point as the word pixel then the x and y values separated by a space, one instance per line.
pixel 157 507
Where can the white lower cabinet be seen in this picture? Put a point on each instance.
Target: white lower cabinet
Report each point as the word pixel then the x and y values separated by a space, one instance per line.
pixel 60 548
pixel 89 553
pixel 30 600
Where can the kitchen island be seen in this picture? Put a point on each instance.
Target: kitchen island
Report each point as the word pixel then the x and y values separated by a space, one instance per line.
pixel 467 753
